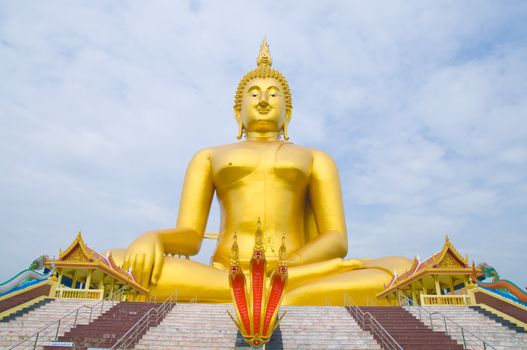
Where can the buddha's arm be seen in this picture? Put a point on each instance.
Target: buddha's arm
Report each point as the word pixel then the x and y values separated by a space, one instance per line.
pixel 326 201
pixel 194 208
pixel 145 254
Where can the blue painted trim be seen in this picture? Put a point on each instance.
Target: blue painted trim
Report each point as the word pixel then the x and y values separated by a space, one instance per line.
pixel 21 272
pixel 23 285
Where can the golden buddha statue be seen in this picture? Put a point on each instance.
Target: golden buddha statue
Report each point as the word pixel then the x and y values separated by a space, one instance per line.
pixel 292 189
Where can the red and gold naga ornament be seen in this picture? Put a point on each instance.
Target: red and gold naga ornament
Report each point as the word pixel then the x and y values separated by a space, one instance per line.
pixel 257 310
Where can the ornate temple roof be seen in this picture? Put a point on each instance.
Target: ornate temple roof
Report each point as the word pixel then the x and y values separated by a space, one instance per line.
pixel 447 261
pixel 79 255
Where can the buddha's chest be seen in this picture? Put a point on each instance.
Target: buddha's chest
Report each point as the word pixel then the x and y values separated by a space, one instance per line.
pixel 284 163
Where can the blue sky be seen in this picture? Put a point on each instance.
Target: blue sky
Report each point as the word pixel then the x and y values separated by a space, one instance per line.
pixel 422 104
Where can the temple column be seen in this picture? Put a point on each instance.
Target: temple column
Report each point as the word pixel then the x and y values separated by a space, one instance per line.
pixel 438 288
pixel 59 280
pixel 425 292
pixel 451 285
pixel 414 295
pixel 88 279
pixel 74 279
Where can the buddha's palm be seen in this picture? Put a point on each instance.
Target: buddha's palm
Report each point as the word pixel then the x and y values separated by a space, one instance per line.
pixel 145 257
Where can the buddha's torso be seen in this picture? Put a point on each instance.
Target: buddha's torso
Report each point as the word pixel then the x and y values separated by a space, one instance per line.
pixel 260 179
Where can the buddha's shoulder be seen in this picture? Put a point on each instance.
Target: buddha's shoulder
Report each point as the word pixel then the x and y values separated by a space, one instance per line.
pixel 315 153
pixel 245 146
pixel 213 152
pixel 241 147
pixel 222 149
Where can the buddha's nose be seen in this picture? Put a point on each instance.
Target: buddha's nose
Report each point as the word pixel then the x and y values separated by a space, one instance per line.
pixel 263 104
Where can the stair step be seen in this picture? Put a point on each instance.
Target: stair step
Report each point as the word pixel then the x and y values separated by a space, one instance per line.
pixel 302 327
pixel 475 324
pixel 105 330
pixel 408 331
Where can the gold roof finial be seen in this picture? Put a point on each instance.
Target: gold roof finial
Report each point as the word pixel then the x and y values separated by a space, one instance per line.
pixel 264 56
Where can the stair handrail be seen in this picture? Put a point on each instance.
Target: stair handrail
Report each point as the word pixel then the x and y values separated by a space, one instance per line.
pixel 388 342
pixel 386 337
pixel 37 333
pixel 370 302
pixel 465 333
pixel 153 315
pixel 355 310
pixel 152 299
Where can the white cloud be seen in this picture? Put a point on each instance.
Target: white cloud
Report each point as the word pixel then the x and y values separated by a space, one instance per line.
pixel 422 105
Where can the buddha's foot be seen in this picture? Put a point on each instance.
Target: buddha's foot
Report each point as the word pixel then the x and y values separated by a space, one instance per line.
pixel 359 286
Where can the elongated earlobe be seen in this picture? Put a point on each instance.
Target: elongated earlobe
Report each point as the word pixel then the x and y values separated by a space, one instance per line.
pixel 285 132
pixel 239 134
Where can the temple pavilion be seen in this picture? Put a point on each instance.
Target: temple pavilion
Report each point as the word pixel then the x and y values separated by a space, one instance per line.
pixel 85 274
pixel 442 279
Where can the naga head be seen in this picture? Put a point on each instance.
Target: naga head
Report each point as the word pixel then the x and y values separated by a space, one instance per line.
pixel 38 263
pixel 489 271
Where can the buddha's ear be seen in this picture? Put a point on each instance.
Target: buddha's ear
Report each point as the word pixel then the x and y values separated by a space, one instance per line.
pixel 285 130
pixel 238 117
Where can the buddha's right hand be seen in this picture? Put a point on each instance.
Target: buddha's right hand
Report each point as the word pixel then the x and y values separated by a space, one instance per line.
pixel 145 257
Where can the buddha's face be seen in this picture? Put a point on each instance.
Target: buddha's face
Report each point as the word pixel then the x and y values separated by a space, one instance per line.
pixel 263 106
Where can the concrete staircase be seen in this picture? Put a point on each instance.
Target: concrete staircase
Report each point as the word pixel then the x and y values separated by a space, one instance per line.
pixel 408 331
pixel 23 326
pixel 490 331
pixel 207 326
pixel 107 329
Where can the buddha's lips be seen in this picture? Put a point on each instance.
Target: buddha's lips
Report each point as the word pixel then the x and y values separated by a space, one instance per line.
pixel 263 110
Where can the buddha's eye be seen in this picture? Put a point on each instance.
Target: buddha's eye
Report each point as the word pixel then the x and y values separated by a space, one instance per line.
pixel 254 94
pixel 273 94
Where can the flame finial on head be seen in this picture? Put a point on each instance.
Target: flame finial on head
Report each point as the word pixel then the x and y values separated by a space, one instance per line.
pixel 264 56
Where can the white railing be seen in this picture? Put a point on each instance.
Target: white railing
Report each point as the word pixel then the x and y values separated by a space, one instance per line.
pixel 450 300
pixel 72 293
pixel 367 322
pixel 445 324
pixel 83 314
pixel 153 317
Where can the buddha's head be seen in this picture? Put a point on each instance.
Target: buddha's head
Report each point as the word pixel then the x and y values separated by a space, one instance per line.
pixel 263 100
